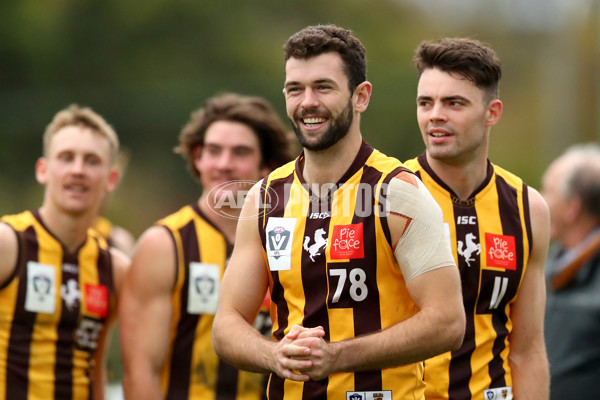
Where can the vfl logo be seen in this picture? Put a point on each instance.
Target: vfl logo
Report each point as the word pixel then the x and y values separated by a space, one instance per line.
pixel 205 287
pixel 469 249
pixel 355 396
pixel 278 238
pixel 41 285
pixel 320 243
pixel 70 293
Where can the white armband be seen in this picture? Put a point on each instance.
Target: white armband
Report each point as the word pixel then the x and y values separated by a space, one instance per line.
pixel 425 244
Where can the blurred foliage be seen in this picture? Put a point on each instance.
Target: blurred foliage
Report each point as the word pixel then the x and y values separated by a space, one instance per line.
pixel 145 67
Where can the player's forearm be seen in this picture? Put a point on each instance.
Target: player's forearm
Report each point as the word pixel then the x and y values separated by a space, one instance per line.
pixel 239 344
pixel 428 333
pixel 141 383
pixel 530 374
pixel 99 382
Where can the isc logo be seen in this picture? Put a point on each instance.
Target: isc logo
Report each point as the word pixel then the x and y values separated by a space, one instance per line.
pixel 466 220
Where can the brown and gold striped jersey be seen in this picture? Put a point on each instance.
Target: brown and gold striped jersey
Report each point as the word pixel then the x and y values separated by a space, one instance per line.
pixel 192 369
pixel 331 264
pixel 52 311
pixel 491 241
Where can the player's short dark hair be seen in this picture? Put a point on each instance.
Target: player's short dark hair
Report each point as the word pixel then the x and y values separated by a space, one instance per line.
pixel 319 39
pixel 474 60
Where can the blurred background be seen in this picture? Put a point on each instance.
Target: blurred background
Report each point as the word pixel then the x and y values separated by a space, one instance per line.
pixel 146 65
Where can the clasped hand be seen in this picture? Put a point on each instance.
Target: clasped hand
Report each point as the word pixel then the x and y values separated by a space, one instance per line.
pixel 303 354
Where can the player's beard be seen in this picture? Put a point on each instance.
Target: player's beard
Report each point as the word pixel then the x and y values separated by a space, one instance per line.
pixel 339 128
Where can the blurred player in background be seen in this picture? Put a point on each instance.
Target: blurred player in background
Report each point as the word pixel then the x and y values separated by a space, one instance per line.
pixel 172 291
pixel 58 281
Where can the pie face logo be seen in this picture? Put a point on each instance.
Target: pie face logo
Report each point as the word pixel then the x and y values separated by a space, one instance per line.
pixel 347 242
pixel 501 251
pixel 96 299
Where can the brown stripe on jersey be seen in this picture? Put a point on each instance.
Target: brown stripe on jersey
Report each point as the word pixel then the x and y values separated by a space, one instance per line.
pixel 69 317
pixel 181 360
pixel 105 278
pixel 315 291
pixel 226 374
pixel 276 387
pixel 460 363
pixel 367 313
pixel 17 360
pixel 511 225
pixel 278 188
pixel 262 210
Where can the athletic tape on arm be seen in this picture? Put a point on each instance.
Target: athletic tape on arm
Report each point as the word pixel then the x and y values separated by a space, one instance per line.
pixel 425 244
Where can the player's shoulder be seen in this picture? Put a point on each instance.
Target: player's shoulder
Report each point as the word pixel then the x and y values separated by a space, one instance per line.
pixel 20 220
pixel 509 177
pixel 9 248
pixel 413 164
pixel 178 218
pixel 281 172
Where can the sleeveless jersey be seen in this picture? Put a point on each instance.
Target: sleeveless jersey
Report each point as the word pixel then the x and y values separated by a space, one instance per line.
pixel 192 369
pixel 491 241
pixel 52 311
pixel 331 264
pixel 103 227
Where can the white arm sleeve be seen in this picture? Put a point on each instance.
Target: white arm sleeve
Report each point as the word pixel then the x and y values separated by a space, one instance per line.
pixel 425 244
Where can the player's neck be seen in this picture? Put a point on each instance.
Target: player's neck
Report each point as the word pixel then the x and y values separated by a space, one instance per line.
pixel 328 166
pixel 70 229
pixel 463 177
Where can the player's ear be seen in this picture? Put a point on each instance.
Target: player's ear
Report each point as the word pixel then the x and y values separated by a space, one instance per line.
pixel 113 179
pixel 362 96
pixel 494 112
pixel 196 156
pixel 41 170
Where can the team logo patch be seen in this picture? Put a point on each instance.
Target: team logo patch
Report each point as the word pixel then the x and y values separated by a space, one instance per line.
pixel 279 239
pixel 320 242
pixel 501 251
pixel 502 393
pixel 469 247
pixel 347 242
pixel 41 288
pixel 203 288
pixel 96 299
pixel 69 291
pixel 377 395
